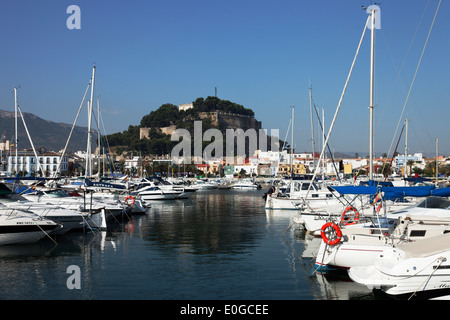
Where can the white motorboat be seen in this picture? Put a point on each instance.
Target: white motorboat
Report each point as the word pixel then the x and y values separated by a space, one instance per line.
pixel 156 193
pixel 359 244
pixel 418 270
pixel 70 218
pixel 86 204
pixel 149 192
pixel 298 193
pixel 245 184
pixel 22 227
pixel 204 185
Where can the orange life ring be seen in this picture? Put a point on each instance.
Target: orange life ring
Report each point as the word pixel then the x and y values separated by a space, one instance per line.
pixel 129 197
pixel 354 220
pixel 335 230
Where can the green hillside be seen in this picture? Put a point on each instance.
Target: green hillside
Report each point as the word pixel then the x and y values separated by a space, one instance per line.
pixel 168 115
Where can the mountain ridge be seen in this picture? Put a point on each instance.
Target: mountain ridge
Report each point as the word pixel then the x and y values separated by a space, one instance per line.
pixel 44 133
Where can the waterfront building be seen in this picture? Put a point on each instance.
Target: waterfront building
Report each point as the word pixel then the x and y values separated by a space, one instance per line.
pixel 27 163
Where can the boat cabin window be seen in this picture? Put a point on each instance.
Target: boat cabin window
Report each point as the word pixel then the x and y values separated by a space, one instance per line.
pixel 435 202
pixel 143 185
pixel 298 186
pixel 57 193
pixel 417 233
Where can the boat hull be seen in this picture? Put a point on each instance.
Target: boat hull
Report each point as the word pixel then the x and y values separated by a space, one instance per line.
pixel 25 231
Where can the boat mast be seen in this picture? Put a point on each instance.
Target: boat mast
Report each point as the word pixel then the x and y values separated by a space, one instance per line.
pixel 292 145
pixel 312 125
pixel 89 151
pixel 98 138
pixel 16 139
pixel 405 173
pixel 371 95
pixel 437 164
pixel 323 139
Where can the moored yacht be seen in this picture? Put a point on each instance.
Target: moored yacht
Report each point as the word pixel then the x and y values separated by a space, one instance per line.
pixel 148 191
pixel 359 244
pixel 300 192
pixel 18 226
pixel 70 218
pixel 410 271
pixel 87 204
pixel 245 184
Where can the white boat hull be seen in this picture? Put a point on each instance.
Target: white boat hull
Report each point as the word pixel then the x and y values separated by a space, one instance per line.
pixel 399 276
pixel 161 196
pixel 25 231
pixel 286 203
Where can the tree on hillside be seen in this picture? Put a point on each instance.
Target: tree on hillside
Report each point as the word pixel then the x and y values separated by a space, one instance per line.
pixel 167 115
pixel 164 116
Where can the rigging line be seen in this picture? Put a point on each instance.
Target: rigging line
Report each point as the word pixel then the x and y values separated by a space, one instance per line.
pixel 102 143
pixel 334 118
pixel 71 130
pixel 393 156
pixel 339 104
pixel 31 141
pixel 328 146
pixel 403 62
pixel 418 138
pixel 442 260
pixel 418 65
pixel 37 224
pixel 105 135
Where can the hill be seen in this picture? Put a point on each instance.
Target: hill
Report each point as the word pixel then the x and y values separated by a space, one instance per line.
pixel 153 134
pixel 44 133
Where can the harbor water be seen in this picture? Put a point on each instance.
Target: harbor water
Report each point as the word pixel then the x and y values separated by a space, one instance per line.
pixel 217 245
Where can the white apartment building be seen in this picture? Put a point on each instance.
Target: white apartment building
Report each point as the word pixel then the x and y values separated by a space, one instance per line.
pixel 26 162
pixel 132 163
pixel 417 158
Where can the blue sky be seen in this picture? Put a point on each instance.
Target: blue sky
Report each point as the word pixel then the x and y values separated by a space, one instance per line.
pixel 261 54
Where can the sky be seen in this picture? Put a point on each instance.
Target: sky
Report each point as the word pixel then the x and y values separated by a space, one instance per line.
pixel 264 55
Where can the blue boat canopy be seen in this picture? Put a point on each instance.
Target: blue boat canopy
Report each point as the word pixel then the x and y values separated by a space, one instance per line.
pixel 391 192
pixel 394 193
pixel 370 190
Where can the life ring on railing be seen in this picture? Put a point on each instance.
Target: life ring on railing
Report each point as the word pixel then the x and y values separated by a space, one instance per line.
pixel 354 220
pixel 335 231
pixel 132 200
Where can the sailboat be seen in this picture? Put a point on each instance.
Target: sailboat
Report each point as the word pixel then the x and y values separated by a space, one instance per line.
pixel 372 189
pixel 297 193
pixel 357 245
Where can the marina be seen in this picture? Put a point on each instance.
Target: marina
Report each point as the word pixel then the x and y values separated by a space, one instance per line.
pixel 216 245
pixel 157 213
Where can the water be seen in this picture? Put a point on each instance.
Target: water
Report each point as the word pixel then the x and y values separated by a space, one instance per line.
pixel 218 245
